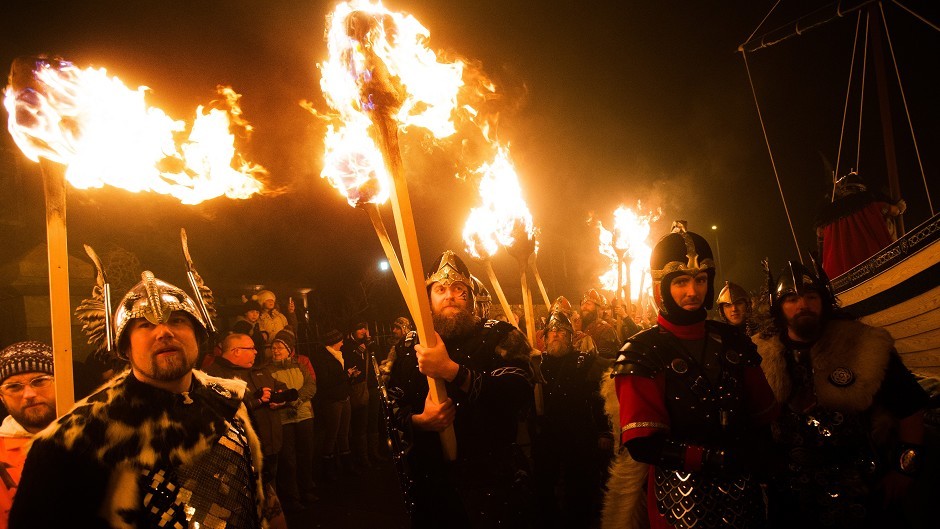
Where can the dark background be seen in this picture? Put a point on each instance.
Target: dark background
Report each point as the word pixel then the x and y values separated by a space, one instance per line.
pixel 604 103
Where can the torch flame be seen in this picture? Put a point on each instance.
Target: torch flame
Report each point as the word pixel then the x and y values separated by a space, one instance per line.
pixel 106 134
pixel 379 62
pixel 504 218
pixel 626 243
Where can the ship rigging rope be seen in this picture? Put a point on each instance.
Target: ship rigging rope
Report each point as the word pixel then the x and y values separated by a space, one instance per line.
pixel 845 109
pixel 915 15
pixel 773 164
pixel 907 112
pixel 861 97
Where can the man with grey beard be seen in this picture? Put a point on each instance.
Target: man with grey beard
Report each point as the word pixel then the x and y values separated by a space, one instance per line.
pixel 574 442
pixel 486 369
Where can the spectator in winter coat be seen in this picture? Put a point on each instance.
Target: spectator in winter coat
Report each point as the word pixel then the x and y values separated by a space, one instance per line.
pixel 331 404
pixel 295 467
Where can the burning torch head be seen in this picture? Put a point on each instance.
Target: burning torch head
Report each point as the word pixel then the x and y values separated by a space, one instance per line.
pixel 481 299
pixel 680 253
pixel 450 269
pixel 155 300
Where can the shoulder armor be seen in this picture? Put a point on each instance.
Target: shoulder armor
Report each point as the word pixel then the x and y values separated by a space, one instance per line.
pixel 638 356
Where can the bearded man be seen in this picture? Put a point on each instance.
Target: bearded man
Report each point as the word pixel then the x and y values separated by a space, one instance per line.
pixel 486 369
pixel 601 332
pixel 574 443
pixel 28 394
pixel 160 445
pixel 694 403
pixel 852 426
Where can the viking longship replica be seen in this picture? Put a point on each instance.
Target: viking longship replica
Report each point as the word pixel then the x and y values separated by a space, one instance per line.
pixel 898 287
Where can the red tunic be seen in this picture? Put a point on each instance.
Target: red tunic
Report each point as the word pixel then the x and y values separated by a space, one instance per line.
pixel 643 411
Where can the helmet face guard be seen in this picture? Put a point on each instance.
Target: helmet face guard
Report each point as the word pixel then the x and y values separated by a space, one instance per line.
pixel 154 300
pixel 680 253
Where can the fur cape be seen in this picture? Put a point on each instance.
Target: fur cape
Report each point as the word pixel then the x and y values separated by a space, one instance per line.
pixel 625 499
pixel 846 347
pixel 125 434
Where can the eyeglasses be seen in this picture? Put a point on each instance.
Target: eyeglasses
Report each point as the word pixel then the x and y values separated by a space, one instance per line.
pixel 236 349
pixel 15 389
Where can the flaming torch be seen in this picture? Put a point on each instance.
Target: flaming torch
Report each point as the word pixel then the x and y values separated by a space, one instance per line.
pixel 90 129
pixel 625 245
pixel 479 235
pixel 381 76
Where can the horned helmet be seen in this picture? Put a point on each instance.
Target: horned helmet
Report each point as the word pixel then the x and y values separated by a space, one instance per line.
pixel 798 279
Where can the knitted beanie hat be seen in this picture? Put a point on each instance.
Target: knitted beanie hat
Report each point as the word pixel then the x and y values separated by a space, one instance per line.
pixel 25 357
pixel 287 338
pixel 332 337
pixel 263 296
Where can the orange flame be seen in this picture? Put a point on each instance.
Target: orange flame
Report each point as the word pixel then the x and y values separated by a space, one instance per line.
pixel 504 217
pixel 417 88
pixel 627 246
pixel 106 134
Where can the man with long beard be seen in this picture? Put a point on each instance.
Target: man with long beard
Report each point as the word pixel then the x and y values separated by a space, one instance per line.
pixel 28 394
pixel 574 442
pixel 601 332
pixel 694 403
pixel 160 445
pixel 852 425
pixel 486 369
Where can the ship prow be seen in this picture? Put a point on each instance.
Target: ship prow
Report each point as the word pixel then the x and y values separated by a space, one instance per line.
pixel 898 288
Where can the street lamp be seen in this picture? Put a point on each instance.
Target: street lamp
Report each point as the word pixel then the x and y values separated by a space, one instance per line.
pixel 383 265
pixel 718 248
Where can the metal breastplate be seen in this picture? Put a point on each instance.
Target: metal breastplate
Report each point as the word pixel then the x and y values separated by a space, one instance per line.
pixel 704 403
pixel 691 500
pixel 215 491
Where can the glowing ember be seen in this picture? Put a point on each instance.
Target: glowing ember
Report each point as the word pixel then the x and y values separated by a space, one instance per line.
pixel 379 62
pixel 503 219
pixel 106 134
pixel 626 246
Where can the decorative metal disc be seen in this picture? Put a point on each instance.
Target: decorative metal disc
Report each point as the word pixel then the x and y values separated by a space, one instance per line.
pixel 842 377
pixel 679 366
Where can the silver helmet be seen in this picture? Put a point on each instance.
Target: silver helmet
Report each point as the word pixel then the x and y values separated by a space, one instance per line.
pixel 154 300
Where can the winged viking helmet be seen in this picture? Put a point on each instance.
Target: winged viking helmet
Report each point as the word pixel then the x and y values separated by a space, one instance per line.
pixel 152 299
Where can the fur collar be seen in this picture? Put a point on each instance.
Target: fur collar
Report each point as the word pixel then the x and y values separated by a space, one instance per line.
pixel 849 363
pixel 127 426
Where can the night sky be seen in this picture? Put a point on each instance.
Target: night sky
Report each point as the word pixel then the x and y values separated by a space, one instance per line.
pixel 604 103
